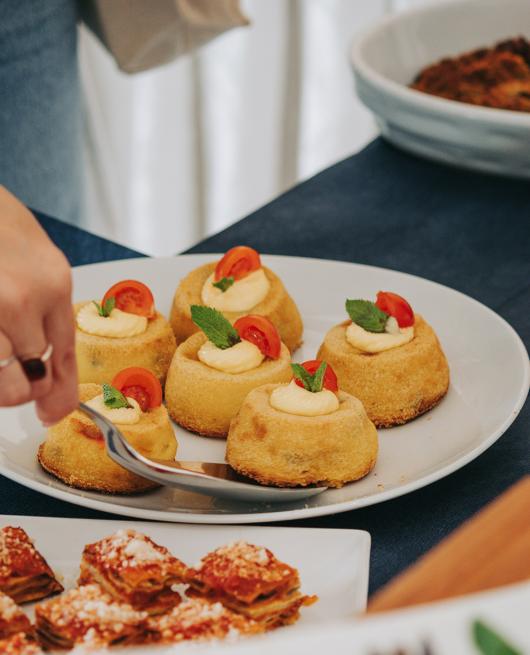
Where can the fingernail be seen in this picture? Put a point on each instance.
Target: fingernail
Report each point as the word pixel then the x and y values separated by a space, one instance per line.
pixel 47 424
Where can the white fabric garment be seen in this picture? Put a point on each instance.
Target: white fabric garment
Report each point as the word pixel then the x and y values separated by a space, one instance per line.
pixel 179 152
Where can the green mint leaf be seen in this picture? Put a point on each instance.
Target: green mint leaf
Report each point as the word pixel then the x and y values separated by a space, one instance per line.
pixel 109 305
pixel 367 315
pixel 301 374
pixel 224 283
pixel 106 308
pixel 113 398
pixel 318 377
pixel 215 326
pixel 489 642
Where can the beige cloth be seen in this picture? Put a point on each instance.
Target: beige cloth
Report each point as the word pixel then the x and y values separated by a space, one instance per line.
pixel 143 34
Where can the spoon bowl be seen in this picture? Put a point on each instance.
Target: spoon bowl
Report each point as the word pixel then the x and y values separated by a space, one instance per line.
pixel 209 478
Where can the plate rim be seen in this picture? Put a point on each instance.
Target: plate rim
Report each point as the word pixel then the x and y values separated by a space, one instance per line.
pixel 77 497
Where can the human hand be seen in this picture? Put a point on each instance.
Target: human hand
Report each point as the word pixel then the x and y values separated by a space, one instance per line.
pixel 35 310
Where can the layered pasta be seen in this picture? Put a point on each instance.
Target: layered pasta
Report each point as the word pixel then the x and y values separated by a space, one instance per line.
pixel 24 573
pixel 133 569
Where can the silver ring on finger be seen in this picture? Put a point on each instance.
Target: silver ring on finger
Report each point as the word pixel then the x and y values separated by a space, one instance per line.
pixel 7 361
pixel 34 366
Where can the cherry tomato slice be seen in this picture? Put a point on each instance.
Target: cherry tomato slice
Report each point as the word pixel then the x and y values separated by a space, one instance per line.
pixel 140 384
pixel 133 297
pixel 261 332
pixel 330 379
pixel 237 263
pixel 397 307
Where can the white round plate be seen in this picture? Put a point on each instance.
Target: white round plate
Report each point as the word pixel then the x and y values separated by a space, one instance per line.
pixel 489 383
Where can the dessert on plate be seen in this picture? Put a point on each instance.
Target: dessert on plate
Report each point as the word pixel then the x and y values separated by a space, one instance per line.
pixel 89 616
pixel 388 357
pixel 237 285
pixel 251 581
pixel 133 569
pixel 214 369
pixel 123 330
pixel 301 433
pixel 24 573
pixel 74 450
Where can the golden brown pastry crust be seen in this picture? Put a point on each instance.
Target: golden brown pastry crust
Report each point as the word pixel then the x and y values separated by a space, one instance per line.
pixel 285 450
pixel 395 385
pixel 99 359
pixel 205 400
pixel 75 453
pixel 278 307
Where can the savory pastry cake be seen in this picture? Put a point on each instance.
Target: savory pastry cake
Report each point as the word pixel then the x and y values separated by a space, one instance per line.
pixel 237 285
pixel 74 450
pixel 123 330
pixel 19 644
pixel 12 618
pixel 249 580
pixel 87 615
pixel 213 370
pixel 24 573
pixel 301 433
pixel 496 76
pixel 389 358
pixel 199 620
pixel 133 569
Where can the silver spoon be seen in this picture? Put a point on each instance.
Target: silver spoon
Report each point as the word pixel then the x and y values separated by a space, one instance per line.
pixel 208 478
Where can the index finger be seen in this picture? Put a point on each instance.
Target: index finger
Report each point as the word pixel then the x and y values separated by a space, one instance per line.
pixel 62 398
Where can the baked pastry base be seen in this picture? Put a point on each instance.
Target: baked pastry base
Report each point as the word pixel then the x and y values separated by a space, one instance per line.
pixel 278 307
pixel 205 400
pixel 99 359
pixel 74 450
pixel 284 450
pixel 396 385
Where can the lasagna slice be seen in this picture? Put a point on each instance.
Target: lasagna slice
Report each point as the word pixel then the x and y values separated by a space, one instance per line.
pixel 200 620
pixel 134 569
pixel 24 573
pixel 250 580
pixel 87 615
pixel 19 644
pixel 12 618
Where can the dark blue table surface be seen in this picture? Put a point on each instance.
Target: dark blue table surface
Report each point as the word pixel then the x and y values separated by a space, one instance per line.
pixel 385 208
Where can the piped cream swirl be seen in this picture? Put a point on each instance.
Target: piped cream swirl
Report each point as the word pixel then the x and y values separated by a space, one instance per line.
pixel 292 399
pixel 241 357
pixel 120 416
pixel 242 296
pixel 118 324
pixel 375 342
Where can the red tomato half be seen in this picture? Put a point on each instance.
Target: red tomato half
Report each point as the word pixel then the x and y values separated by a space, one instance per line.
pixel 132 297
pixel 397 307
pixel 330 379
pixel 140 384
pixel 261 332
pixel 237 263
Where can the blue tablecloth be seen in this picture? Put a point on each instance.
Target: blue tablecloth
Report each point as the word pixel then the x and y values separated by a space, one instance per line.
pixel 386 208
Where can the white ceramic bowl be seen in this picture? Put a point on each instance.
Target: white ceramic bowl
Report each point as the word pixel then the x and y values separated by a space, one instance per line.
pixel 387 58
